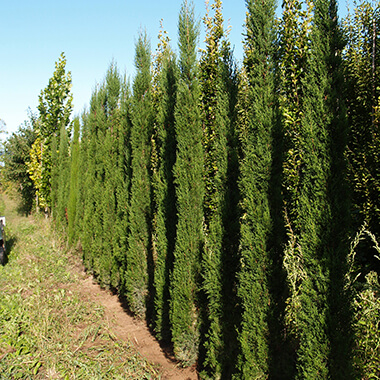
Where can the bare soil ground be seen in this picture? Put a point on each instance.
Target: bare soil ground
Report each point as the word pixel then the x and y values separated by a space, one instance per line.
pixel 128 328
pixel 118 319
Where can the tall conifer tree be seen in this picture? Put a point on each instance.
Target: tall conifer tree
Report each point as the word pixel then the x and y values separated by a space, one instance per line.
pixel 98 255
pixel 109 149
pixel 83 166
pixel 90 222
pixel 327 110
pixel 74 179
pixel 63 179
pixel 255 134
pixel 307 164
pixel 137 277
pixel 163 159
pixel 188 176
pixel 123 182
pixel 215 118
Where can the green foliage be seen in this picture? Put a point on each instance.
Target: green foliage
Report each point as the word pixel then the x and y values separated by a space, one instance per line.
pixel 73 185
pixel 366 328
pixel 362 64
pixel 257 115
pixel 306 118
pixel 55 106
pixel 216 123
pixel 108 159
pixel 63 180
pixel 163 192
pixel 366 308
pixel 102 166
pixel 16 158
pixel 188 177
pixel 216 201
pixel 55 102
pixel 138 263
pixel 54 172
pixel 35 172
pixel 122 179
pixel 83 200
pixel 328 114
pixel 93 214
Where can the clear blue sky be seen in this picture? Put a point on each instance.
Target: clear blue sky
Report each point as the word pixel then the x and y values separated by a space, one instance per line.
pixel 91 34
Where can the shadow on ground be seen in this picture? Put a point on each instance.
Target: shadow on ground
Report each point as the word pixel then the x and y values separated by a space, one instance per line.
pixel 9 245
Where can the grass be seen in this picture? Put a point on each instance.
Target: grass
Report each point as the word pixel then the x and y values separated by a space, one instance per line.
pixel 47 329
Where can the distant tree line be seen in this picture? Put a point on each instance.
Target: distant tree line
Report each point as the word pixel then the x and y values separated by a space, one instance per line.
pixel 235 209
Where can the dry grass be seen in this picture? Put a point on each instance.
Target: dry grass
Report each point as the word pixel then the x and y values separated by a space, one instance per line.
pixel 47 331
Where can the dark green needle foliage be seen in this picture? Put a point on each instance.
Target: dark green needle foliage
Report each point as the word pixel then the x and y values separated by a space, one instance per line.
pixel 108 146
pixel 139 252
pixel 63 180
pixel 74 181
pixel 326 110
pixel 99 162
pixel 215 120
pixel 307 121
pixel 188 177
pixel 256 125
pixel 123 179
pixel 163 159
pixel 91 224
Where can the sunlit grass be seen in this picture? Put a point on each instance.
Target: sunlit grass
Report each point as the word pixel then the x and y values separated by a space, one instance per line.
pixel 47 329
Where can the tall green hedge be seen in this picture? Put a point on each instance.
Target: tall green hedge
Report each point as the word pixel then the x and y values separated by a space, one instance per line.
pixel 163 158
pixel 255 134
pixel 216 121
pixel 138 275
pixel 216 199
pixel 188 178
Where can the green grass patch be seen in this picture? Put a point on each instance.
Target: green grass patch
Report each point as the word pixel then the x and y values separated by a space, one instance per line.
pixel 47 330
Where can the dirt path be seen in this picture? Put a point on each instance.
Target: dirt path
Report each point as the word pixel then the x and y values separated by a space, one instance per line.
pixel 127 328
pixel 119 321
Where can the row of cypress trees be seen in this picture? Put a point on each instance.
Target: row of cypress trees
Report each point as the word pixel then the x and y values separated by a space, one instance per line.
pixel 215 200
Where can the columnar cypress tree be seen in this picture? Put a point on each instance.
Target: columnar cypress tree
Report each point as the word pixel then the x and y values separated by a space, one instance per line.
pixel 99 129
pixel 109 149
pixel 102 133
pixel 63 179
pixel 292 64
pixel 255 134
pixel 326 100
pixel 137 276
pixel 306 175
pixel 123 180
pixel 230 75
pixel 90 223
pixel 51 187
pixel 163 159
pixel 215 118
pixel 188 174
pixel 82 197
pixel 74 180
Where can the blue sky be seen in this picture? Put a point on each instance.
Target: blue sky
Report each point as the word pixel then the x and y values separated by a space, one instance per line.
pixel 91 34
